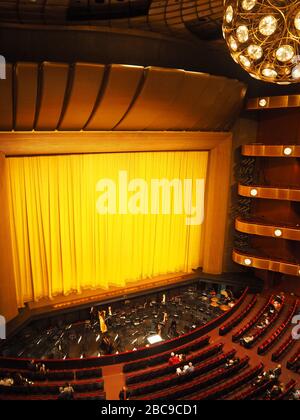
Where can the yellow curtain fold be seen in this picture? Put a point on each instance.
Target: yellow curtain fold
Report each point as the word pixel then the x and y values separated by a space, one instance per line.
pixel 61 244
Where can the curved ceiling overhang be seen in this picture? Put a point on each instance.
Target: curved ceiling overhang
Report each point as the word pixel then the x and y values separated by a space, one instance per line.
pixel 91 97
pixel 187 18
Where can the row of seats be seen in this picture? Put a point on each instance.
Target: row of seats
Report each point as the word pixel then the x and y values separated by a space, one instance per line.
pixel 57 375
pixel 86 396
pixel 289 388
pixel 173 380
pixel 221 391
pixel 164 357
pixel 198 384
pixel 225 329
pixel 261 331
pixel 53 364
pixel 283 349
pixel 237 335
pixel 165 369
pixel 294 362
pixel 266 345
pixel 253 392
pixel 50 388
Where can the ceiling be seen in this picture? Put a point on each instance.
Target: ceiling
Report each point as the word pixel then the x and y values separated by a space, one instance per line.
pixel 92 97
pixel 167 33
pixel 180 18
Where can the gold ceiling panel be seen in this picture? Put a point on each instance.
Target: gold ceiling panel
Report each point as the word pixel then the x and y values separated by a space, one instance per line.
pixel 118 94
pixel 156 96
pixel 53 90
pixel 94 97
pixel 25 95
pixel 87 80
pixel 6 100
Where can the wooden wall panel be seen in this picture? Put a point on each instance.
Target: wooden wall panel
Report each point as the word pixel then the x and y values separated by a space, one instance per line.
pixel 87 80
pixel 186 108
pixel 156 95
pixel 263 229
pixel 120 90
pixel 211 100
pixel 282 173
pixel 26 95
pixel 267 150
pixel 270 192
pixel 267 263
pixel 54 84
pixel 119 97
pixel 50 143
pixel 278 211
pixel 218 188
pixel 6 100
pixel 279 126
pixel 8 299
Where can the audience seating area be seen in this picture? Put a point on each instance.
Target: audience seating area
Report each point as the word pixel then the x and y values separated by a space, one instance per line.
pixel 164 357
pixel 225 329
pixel 255 392
pixel 173 380
pixel 259 332
pixel 289 388
pixel 165 368
pixel 270 342
pixel 153 378
pixel 220 391
pixel 283 349
pixel 239 334
pixel 294 361
pixel 57 375
pixel 87 383
pixel 199 383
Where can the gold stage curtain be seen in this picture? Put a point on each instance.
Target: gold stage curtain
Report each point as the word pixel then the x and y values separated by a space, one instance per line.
pixel 61 244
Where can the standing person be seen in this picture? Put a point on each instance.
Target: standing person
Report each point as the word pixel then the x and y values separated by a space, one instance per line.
pixel 173 328
pixel 103 326
pixel 124 394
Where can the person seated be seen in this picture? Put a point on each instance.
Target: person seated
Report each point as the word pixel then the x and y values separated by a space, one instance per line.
pixel 7 381
pixel 261 379
pixel 124 394
pixel 182 357
pixel 66 392
pixel 32 366
pixel 247 340
pixel 174 359
pixel 43 370
pixel 188 368
pixel 19 380
pixel 232 362
pixel 179 372
pixel 296 395
pixel 276 372
pixel 274 392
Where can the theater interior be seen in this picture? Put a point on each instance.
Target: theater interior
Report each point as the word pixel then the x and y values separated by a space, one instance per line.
pixel 150 200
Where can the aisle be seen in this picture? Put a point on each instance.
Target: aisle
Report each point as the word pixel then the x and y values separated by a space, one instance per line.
pixel 114 380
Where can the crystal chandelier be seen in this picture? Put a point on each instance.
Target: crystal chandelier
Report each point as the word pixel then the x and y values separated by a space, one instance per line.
pixel 263 36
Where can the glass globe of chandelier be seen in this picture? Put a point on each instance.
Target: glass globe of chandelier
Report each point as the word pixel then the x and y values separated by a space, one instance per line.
pixel 263 36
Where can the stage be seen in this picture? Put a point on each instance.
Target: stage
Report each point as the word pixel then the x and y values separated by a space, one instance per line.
pixel 132 323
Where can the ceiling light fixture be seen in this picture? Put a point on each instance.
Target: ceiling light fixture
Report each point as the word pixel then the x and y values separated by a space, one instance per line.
pixel 264 38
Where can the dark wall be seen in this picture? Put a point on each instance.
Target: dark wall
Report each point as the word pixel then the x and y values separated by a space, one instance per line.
pixel 107 45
